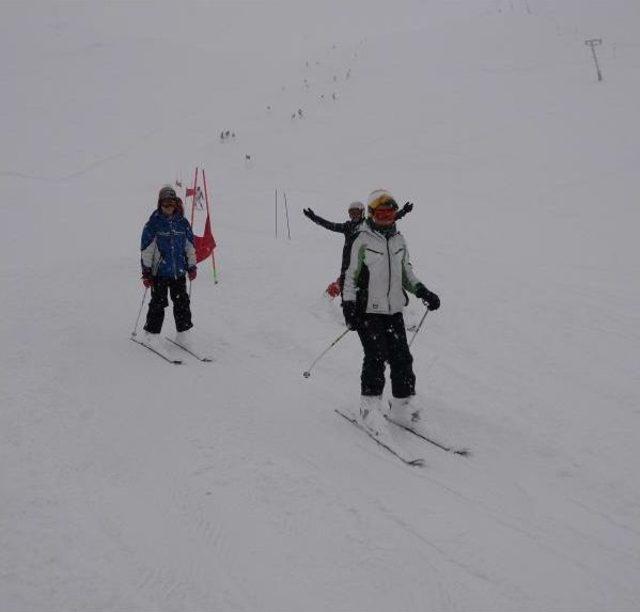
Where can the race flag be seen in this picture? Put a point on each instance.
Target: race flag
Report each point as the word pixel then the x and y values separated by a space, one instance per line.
pixel 198 202
pixel 204 244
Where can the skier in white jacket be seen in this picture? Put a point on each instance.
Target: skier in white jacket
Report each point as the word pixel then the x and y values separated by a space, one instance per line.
pixel 374 295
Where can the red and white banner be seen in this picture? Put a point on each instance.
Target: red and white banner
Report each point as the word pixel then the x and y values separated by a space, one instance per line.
pixel 206 243
pixel 201 220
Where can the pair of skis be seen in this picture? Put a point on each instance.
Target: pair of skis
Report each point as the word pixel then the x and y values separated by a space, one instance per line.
pixel 168 358
pixel 399 454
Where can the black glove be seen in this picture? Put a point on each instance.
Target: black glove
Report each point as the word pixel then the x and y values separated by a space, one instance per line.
pixel 430 298
pixel 351 316
pixel 147 278
pixel 309 213
pixel 407 208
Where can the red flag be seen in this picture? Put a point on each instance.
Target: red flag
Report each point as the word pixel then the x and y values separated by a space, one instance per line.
pixel 204 244
pixel 190 192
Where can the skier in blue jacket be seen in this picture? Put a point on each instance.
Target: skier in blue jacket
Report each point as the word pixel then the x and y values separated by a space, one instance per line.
pixel 168 255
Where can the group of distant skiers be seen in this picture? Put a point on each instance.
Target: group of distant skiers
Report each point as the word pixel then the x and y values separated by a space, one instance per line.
pixel 375 275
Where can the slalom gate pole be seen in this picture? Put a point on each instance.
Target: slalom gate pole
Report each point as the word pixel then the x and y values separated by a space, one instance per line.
pixel 286 210
pixel 193 209
pixel 134 333
pixel 213 257
pixel 193 197
pixel 307 372
pixel 424 316
pixel 215 271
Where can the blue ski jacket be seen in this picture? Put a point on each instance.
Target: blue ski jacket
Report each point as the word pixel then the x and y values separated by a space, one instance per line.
pixel 167 247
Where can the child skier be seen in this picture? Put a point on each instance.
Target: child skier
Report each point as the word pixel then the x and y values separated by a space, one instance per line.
pixel 374 295
pixel 167 256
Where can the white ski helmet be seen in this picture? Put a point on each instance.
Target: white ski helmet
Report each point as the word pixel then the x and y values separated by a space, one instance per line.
pixel 356 206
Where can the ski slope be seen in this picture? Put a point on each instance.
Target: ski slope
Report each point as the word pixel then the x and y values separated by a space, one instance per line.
pixel 128 484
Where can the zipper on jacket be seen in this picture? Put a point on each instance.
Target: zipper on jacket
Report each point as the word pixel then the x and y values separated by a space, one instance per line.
pixel 173 250
pixel 389 288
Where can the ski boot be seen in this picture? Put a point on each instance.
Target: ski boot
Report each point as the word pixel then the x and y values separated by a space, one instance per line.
pixel 371 415
pixel 152 340
pixel 402 412
pixel 186 339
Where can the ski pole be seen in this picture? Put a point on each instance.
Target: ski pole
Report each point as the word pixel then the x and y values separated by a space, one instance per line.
pixel 307 372
pixel 424 316
pixel 134 333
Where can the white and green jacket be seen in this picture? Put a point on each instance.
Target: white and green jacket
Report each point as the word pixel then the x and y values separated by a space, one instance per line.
pixel 379 272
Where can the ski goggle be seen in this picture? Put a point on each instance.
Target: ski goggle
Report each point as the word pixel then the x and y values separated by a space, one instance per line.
pixel 384 214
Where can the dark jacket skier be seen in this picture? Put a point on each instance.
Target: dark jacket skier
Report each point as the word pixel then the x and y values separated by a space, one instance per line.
pixel 167 255
pixel 374 294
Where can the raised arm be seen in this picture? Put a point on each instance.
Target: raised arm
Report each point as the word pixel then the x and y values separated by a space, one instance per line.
pixel 407 208
pixel 341 228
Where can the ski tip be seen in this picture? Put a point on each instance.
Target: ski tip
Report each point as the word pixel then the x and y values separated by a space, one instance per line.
pixel 417 463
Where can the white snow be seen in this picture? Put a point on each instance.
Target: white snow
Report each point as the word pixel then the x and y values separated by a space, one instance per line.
pixel 128 484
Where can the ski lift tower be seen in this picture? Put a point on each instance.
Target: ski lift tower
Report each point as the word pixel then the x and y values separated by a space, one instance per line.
pixel 593 43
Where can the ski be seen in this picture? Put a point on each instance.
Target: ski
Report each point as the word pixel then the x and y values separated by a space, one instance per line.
pixel 463 452
pixel 412 462
pixel 190 351
pixel 157 351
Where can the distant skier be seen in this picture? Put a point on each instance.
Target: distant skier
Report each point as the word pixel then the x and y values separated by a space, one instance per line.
pixel 374 296
pixel 167 256
pixel 349 229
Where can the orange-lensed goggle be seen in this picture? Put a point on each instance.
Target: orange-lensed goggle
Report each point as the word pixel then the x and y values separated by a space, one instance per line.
pixel 384 213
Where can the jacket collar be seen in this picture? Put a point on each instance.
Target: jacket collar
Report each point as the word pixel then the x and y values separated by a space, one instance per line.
pixel 158 215
pixel 385 233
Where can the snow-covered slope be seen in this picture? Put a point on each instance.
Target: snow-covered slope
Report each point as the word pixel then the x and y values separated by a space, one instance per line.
pixel 130 484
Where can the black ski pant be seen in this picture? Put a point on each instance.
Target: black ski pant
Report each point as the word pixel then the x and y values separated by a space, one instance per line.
pixel 384 340
pixel 177 288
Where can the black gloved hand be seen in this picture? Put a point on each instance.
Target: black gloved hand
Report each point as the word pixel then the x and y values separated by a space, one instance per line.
pixel 309 213
pixel 430 298
pixel 147 278
pixel 351 316
pixel 407 208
